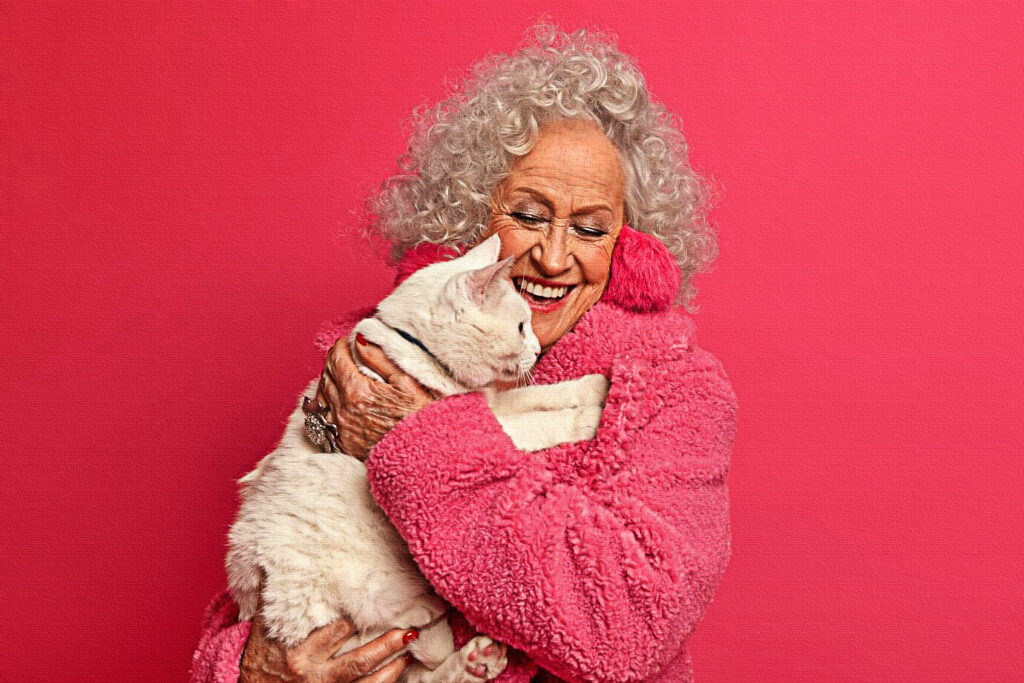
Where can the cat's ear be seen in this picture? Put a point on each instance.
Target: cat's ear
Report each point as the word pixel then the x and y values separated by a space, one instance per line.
pixel 483 254
pixel 482 281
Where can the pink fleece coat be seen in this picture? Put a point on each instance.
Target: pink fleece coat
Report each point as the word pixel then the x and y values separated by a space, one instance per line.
pixel 593 560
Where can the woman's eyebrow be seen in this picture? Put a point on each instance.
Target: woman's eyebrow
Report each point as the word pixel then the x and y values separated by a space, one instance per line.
pixel 539 196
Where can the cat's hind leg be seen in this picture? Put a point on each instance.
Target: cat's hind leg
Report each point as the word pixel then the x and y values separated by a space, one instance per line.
pixel 294 605
pixel 481 659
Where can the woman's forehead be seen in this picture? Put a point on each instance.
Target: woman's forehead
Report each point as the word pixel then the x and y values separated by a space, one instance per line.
pixel 576 145
pixel 572 159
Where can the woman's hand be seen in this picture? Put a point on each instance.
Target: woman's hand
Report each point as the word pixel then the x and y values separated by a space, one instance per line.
pixel 365 409
pixel 267 661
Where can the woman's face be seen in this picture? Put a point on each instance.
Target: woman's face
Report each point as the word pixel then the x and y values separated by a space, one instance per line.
pixel 559 212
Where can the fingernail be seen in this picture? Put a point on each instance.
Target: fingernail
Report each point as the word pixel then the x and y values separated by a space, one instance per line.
pixel 410 636
pixel 360 339
pixel 409 659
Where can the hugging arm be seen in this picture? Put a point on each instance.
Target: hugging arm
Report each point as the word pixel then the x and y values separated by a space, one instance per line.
pixel 596 558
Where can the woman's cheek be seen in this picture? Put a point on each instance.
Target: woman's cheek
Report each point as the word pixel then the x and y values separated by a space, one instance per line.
pixel 514 240
pixel 597 263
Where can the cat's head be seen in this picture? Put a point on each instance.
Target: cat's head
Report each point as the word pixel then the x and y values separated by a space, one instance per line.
pixel 468 314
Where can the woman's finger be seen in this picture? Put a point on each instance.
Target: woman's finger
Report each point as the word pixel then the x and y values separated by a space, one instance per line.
pixel 320 396
pixel 327 638
pixel 366 658
pixel 350 380
pixel 387 674
pixel 373 356
pixel 338 361
pixel 330 397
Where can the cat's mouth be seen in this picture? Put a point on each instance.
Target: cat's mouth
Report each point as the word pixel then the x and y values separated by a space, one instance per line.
pixel 510 372
pixel 511 375
pixel 542 294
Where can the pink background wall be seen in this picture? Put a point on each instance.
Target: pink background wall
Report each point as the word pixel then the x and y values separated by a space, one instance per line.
pixel 176 185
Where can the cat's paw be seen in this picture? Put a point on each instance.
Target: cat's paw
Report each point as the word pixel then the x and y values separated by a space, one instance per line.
pixel 593 390
pixel 482 659
pixel 585 424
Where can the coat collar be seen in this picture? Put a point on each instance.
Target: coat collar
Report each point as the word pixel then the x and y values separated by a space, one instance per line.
pixel 644 275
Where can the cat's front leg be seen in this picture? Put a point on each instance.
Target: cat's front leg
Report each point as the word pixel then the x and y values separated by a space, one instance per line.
pixel 589 390
pixel 548 428
pixel 545 415
pixel 585 422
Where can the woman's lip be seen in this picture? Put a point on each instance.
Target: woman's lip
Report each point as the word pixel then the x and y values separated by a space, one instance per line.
pixel 544 308
pixel 538 307
pixel 545 283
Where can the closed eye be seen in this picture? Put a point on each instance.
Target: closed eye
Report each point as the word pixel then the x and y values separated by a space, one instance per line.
pixel 590 232
pixel 527 218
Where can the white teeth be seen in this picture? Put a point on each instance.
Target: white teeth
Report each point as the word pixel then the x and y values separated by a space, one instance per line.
pixel 546 292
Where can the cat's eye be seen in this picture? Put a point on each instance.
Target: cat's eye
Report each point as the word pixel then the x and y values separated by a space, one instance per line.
pixel 522 329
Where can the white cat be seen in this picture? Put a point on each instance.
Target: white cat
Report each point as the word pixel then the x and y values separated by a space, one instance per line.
pixel 308 522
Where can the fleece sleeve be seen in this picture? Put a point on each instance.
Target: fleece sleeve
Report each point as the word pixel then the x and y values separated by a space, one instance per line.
pixel 221 643
pixel 596 558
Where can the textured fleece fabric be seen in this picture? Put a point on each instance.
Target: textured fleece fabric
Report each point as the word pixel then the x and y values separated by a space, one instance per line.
pixel 593 560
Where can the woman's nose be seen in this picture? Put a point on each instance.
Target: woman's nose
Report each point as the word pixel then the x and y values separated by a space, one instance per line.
pixel 551 253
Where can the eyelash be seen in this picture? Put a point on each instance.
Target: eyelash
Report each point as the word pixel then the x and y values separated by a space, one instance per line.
pixel 537 220
pixel 527 218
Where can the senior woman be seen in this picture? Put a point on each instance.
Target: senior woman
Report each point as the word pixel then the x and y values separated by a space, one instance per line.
pixel 594 560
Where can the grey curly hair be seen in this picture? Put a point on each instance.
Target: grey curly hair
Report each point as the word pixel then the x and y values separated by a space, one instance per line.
pixel 463 147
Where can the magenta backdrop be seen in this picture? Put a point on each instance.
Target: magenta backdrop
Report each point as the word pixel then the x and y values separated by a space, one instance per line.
pixel 177 181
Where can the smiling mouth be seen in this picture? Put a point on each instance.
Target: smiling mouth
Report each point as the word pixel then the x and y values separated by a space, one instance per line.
pixel 541 292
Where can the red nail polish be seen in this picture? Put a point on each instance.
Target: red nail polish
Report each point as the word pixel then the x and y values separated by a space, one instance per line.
pixel 360 339
pixel 410 636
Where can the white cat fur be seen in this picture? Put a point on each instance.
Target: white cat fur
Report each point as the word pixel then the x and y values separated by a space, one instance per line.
pixel 308 522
